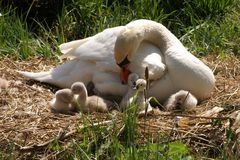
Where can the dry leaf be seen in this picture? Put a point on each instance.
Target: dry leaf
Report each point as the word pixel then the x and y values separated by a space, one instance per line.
pixel 236 125
pixel 182 122
pixel 212 113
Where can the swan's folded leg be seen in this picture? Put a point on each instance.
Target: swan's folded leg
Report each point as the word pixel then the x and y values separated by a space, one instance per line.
pixel 148 56
pixel 161 70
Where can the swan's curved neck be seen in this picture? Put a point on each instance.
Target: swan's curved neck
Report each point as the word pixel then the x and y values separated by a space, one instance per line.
pixel 158 35
pixel 82 98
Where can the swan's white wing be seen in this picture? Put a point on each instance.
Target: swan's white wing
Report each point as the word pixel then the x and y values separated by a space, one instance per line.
pixel 67 47
pixel 108 66
pixel 92 55
pixel 95 48
pixel 108 83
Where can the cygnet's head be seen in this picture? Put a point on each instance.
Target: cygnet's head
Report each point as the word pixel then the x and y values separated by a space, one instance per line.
pixel 185 99
pixel 180 97
pixel 141 84
pixel 64 95
pixel 126 44
pixel 78 87
pixel 132 78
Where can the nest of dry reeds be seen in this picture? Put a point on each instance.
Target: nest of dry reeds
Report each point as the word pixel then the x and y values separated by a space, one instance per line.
pixel 27 123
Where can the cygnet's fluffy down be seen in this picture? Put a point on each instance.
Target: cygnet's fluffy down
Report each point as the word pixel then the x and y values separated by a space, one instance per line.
pixel 89 104
pixel 139 98
pixel 3 84
pixel 135 93
pixel 62 102
pixel 181 100
pixel 132 78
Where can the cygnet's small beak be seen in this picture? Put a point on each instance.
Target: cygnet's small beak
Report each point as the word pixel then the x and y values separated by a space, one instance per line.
pixel 135 87
pixel 124 74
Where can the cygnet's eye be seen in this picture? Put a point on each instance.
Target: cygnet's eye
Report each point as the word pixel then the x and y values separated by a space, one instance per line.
pixel 134 83
pixel 75 90
pixel 179 99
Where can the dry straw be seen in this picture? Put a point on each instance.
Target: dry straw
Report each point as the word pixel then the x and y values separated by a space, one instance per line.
pixel 26 120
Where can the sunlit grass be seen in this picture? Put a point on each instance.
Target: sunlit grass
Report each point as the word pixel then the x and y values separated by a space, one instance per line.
pixel 79 19
pixel 219 36
pixel 17 41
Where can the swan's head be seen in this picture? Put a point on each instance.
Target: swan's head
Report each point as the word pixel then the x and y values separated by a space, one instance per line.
pixel 64 95
pixel 141 84
pixel 78 87
pixel 126 45
pixel 132 78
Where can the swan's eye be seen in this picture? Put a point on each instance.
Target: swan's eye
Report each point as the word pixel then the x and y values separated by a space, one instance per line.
pixel 124 62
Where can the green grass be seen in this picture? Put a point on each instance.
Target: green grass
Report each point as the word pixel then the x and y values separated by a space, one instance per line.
pixel 219 36
pixel 79 19
pixel 111 142
pixel 16 41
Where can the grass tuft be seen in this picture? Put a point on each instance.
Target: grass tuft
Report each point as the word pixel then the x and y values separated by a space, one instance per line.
pixel 79 19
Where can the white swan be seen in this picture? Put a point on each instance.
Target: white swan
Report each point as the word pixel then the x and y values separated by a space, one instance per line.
pixel 142 43
pixel 62 102
pixel 181 100
pixel 89 104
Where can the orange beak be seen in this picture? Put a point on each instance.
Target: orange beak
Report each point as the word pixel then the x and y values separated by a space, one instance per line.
pixel 124 74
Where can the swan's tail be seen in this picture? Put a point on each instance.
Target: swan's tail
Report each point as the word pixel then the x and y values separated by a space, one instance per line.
pixel 64 75
pixel 40 76
pixel 58 76
pixel 46 77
